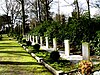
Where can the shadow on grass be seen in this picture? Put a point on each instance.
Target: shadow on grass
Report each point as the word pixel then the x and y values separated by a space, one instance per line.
pixel 21 53
pixel 18 63
pixel 9 46
pixel 2 48
pixel 12 52
pixel 5 43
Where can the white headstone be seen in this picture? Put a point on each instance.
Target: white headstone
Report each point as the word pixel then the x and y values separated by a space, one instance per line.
pixel 26 37
pixel 47 43
pixel 41 41
pixel 67 51
pixel 85 51
pixel 33 40
pixel 30 38
pixel 54 44
pixel 36 39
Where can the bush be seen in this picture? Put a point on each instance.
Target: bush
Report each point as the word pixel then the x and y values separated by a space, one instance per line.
pixel 17 38
pixel 36 47
pixel 20 37
pixel 28 43
pixel 24 40
pixel 54 55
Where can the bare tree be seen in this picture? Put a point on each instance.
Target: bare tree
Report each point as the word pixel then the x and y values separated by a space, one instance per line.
pixel 7 11
pixel 76 8
pixel 88 4
pixel 21 2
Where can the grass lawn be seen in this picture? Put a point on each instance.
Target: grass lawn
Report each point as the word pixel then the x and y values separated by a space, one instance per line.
pixel 14 60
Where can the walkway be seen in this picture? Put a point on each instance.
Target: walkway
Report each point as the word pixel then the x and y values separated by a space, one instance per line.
pixel 14 60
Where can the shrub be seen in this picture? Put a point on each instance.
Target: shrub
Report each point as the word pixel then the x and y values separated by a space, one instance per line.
pixel 28 43
pixel 24 40
pixel 20 37
pixel 36 47
pixel 17 37
pixel 54 55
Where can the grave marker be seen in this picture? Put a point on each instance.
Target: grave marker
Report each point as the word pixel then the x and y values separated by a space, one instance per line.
pixel 36 40
pixel 85 51
pixel 41 41
pixel 30 38
pixel 67 51
pixel 54 44
pixel 33 40
pixel 47 43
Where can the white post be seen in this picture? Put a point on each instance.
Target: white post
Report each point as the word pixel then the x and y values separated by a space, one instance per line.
pixel 85 51
pixel 47 43
pixel 33 40
pixel 36 40
pixel 67 51
pixel 41 41
pixel 26 37
pixel 30 38
pixel 54 44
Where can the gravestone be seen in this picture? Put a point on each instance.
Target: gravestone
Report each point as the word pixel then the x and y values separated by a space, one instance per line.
pixel 54 44
pixel 67 51
pixel 36 40
pixel 72 58
pixel 47 42
pixel 85 51
pixel 30 38
pixel 41 41
pixel 33 42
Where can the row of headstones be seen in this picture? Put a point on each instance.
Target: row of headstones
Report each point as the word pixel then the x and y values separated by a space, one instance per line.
pixel 85 45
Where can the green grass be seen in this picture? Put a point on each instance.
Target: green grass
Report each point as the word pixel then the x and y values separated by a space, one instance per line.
pixel 14 60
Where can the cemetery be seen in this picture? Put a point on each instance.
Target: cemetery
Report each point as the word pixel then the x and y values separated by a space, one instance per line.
pixel 50 37
pixel 60 66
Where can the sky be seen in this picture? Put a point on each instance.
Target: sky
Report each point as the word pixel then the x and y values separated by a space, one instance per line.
pixel 1 5
pixel 65 8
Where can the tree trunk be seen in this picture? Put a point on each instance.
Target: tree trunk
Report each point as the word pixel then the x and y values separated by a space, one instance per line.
pixel 78 12
pixel 23 17
pixel 88 8
pixel 39 10
pixel 47 13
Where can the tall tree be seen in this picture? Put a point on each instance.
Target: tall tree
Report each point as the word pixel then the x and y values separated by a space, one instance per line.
pixel 41 9
pixel 7 2
pixel 76 8
pixel 23 16
pixel 88 4
pixel 46 8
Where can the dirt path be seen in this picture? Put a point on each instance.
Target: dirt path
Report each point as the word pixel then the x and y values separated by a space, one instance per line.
pixel 14 60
